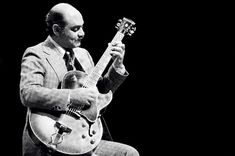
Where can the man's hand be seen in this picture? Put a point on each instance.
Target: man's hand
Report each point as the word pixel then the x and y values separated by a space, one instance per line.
pixel 84 96
pixel 117 53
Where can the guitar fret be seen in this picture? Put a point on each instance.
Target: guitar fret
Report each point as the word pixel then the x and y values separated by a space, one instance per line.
pixel 95 76
pixel 90 83
pixel 118 37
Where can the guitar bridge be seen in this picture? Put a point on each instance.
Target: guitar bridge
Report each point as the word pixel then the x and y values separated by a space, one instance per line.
pixel 62 129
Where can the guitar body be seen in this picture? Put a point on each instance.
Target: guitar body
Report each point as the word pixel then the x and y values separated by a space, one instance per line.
pixel 78 141
pixel 73 134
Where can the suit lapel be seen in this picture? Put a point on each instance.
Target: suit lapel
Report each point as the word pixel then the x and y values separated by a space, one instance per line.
pixel 84 60
pixel 55 59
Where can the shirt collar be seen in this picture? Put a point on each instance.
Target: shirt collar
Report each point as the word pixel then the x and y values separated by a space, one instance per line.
pixel 57 46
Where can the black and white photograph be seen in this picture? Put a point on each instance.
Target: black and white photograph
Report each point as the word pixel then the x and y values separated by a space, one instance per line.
pixel 113 78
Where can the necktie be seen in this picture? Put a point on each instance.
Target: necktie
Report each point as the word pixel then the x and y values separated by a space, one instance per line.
pixel 69 59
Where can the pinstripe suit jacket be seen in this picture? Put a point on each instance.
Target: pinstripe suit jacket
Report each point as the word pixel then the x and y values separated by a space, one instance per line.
pixel 42 70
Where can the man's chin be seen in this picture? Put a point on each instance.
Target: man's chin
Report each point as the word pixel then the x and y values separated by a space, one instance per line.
pixel 77 44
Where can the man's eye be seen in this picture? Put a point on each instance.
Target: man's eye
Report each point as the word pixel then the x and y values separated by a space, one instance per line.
pixel 76 29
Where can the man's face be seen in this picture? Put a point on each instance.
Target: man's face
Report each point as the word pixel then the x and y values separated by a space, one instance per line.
pixel 72 33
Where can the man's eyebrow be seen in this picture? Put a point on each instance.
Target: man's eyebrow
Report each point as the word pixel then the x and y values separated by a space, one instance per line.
pixel 77 26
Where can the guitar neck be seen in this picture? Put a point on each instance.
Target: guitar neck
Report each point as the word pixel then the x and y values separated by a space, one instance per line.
pixel 94 76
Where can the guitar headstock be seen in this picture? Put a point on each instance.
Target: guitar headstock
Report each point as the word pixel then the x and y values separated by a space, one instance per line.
pixel 126 26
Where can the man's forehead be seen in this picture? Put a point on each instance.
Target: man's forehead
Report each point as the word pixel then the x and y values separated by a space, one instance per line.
pixel 74 20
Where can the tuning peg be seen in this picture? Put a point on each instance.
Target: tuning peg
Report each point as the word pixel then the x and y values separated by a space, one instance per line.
pixel 117 25
pixel 119 22
pixel 126 25
pixel 131 31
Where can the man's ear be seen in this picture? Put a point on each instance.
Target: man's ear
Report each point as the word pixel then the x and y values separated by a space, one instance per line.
pixel 56 29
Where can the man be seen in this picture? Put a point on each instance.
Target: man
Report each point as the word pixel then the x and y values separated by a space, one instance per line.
pixel 43 69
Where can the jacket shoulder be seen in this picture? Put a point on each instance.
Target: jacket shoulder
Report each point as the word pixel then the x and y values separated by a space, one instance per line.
pixel 35 50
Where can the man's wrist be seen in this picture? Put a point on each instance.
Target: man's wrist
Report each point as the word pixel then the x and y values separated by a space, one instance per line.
pixel 120 69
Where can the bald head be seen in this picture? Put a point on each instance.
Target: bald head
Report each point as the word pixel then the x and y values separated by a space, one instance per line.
pixel 61 14
pixel 65 10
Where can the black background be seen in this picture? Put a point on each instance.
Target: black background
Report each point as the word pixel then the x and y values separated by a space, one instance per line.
pixel 175 100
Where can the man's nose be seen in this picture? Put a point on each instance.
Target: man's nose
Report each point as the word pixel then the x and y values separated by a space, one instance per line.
pixel 81 33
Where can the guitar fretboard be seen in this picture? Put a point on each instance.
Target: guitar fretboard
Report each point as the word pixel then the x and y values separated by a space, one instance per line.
pixel 96 73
